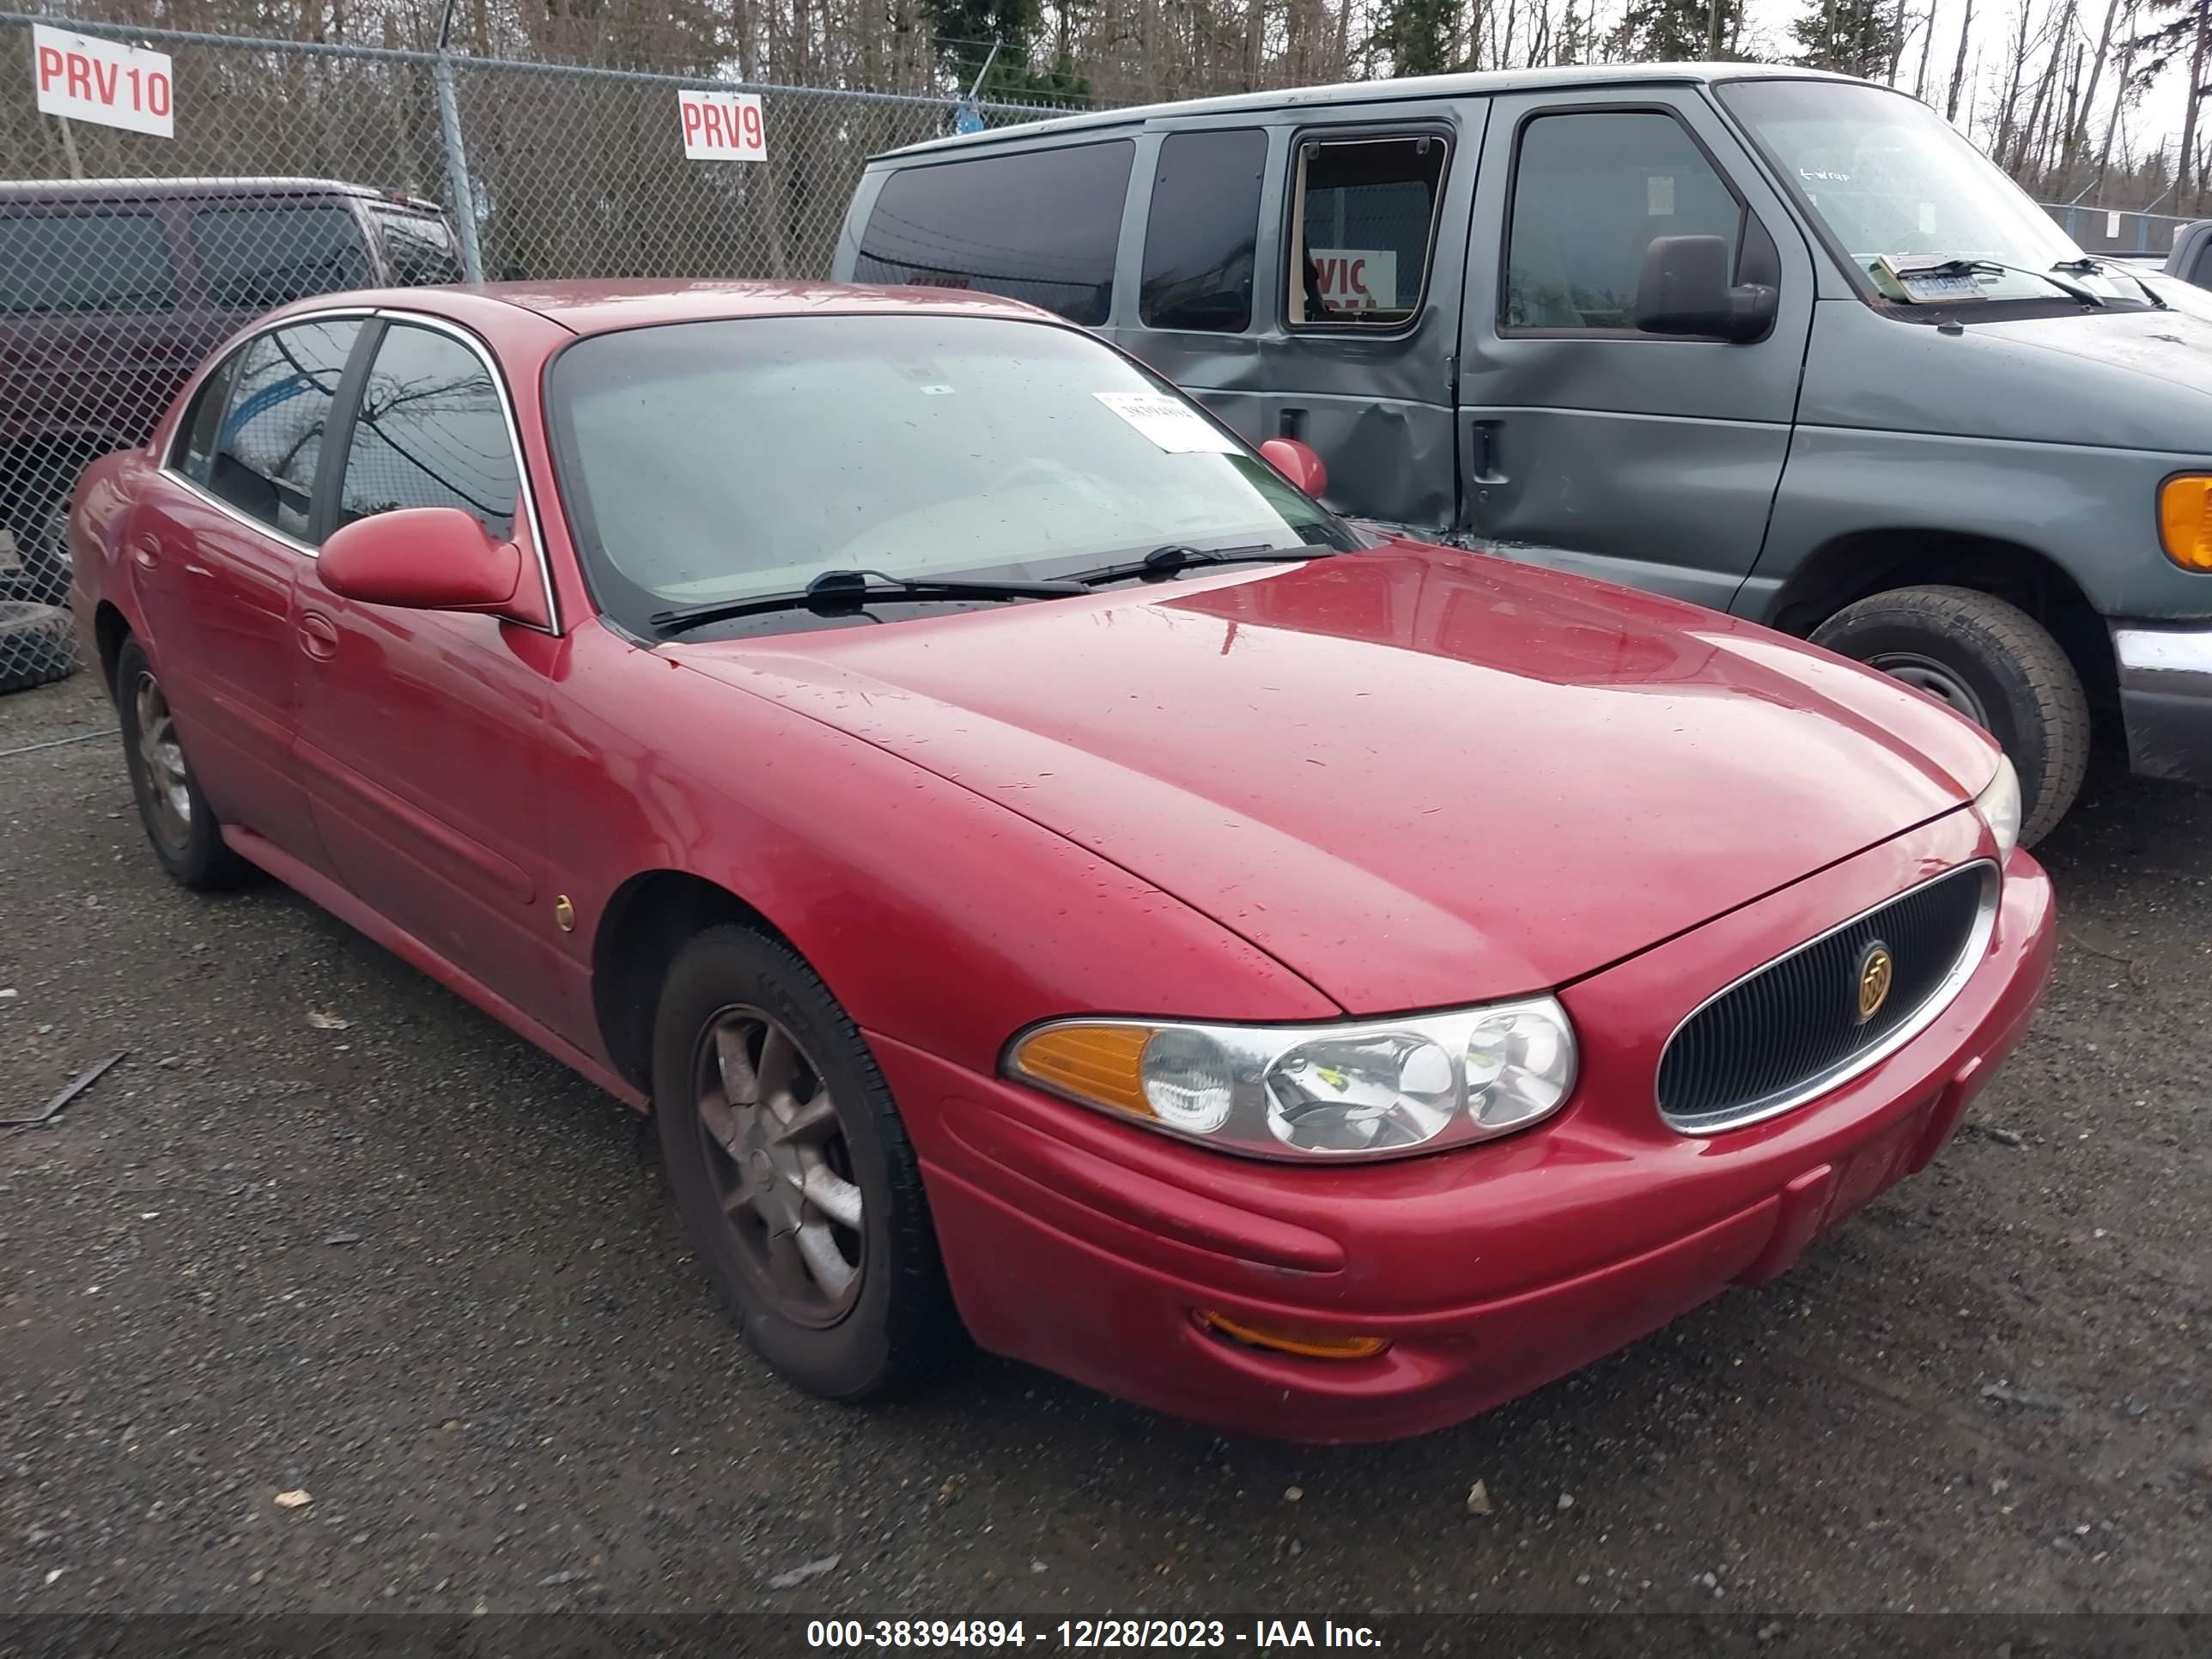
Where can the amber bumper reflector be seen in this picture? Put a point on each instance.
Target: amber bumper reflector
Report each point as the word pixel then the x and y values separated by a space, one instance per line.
pixel 1306 1345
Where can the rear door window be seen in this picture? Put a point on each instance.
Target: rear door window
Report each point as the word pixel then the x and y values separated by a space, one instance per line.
pixel 1202 231
pixel 431 432
pixel 419 249
pixel 1363 228
pixel 60 264
pixel 1041 226
pixel 270 444
pixel 258 256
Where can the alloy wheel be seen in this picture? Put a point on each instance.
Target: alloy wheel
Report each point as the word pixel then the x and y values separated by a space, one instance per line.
pixel 161 764
pixel 776 1149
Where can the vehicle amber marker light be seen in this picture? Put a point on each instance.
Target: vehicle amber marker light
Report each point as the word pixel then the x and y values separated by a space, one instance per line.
pixel 2185 520
pixel 1306 1345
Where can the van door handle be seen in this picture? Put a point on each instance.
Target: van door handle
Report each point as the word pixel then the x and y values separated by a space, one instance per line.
pixel 1290 424
pixel 319 637
pixel 1484 462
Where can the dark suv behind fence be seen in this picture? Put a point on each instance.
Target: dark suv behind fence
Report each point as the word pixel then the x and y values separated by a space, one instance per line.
pixel 111 291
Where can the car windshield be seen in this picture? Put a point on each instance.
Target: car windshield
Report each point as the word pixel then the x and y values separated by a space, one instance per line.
pixel 1899 189
pixel 711 461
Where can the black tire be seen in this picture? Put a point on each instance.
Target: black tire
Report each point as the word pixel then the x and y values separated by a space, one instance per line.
pixel 900 1326
pixel 37 520
pixel 189 842
pixel 1994 662
pixel 37 644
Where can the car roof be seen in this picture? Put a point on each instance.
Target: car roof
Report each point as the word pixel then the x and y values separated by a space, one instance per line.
pixel 601 307
pixel 1481 83
pixel 161 190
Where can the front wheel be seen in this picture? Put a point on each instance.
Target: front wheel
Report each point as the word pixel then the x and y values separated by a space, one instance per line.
pixel 793 1171
pixel 1991 662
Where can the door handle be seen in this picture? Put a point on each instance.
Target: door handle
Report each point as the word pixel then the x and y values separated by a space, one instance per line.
pixel 1484 462
pixel 319 637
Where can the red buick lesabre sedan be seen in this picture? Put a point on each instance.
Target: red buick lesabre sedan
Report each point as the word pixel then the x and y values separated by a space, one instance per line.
pixel 1056 884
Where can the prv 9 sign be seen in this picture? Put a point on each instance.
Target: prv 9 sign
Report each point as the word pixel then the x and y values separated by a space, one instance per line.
pixel 722 126
pixel 102 81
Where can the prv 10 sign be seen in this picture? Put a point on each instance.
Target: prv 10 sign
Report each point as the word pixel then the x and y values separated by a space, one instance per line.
pixel 102 81
pixel 722 126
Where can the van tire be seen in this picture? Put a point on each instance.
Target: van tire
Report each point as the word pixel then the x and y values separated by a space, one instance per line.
pixel 1991 662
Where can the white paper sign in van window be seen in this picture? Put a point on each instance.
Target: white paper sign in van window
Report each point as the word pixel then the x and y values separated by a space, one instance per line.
pixel 1357 278
pixel 102 81
pixel 722 126
pixel 1659 196
pixel 1176 427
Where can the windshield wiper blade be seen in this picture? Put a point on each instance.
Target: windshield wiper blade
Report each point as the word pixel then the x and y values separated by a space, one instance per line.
pixel 844 590
pixel 2090 266
pixel 1965 267
pixel 1174 557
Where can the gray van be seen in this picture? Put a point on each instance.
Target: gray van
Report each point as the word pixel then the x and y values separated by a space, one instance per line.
pixel 1779 343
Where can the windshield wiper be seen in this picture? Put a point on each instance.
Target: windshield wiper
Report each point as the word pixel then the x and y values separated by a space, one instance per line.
pixel 2089 266
pixel 1174 557
pixel 1967 267
pixel 845 590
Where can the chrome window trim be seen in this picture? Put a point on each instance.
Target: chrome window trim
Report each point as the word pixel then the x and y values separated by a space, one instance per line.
pixel 446 326
pixel 1932 1008
pixel 482 353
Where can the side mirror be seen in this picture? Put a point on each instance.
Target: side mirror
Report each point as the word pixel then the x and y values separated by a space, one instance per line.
pixel 1297 462
pixel 420 558
pixel 1684 289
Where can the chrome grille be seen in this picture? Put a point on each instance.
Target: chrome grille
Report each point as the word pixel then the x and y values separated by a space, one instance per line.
pixel 1793 1028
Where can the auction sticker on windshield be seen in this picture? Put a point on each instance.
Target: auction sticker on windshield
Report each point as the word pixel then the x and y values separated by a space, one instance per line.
pixel 1175 428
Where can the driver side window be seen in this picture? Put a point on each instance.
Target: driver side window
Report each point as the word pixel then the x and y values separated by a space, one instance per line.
pixel 1591 191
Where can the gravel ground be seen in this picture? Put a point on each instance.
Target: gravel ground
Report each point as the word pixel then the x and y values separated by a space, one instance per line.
pixel 409 1266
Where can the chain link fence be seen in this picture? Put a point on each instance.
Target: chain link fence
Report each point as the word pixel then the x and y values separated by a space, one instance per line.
pixel 297 169
pixel 2122 232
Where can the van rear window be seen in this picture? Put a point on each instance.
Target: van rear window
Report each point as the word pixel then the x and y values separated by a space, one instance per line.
pixel 254 258
pixel 1040 226
pixel 74 264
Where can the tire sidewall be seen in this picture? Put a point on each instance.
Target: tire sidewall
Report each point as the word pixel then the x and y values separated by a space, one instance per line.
pixel 722 968
pixel 199 861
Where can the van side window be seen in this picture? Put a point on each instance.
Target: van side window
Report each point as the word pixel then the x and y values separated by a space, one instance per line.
pixel 103 262
pixel 1040 226
pixel 1363 226
pixel 1202 230
pixel 272 437
pixel 262 255
pixel 2202 275
pixel 419 248
pixel 1590 191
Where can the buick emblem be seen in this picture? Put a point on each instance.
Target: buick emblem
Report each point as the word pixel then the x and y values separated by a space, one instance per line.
pixel 1876 971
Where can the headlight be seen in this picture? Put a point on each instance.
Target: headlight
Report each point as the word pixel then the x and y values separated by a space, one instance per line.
pixel 1999 805
pixel 1358 1089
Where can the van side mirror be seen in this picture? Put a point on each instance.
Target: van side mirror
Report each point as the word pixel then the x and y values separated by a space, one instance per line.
pixel 1297 462
pixel 1684 290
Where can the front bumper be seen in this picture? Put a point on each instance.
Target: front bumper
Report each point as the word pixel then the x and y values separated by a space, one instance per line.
pixel 1085 1246
pixel 2166 698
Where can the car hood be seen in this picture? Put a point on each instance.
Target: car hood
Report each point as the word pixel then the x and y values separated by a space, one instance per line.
pixel 1414 776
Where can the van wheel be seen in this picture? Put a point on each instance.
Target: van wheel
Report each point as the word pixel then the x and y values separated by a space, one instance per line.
pixel 793 1174
pixel 1991 662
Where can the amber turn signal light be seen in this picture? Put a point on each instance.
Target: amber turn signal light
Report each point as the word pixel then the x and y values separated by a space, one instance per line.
pixel 1306 1345
pixel 2185 520
pixel 1100 1063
